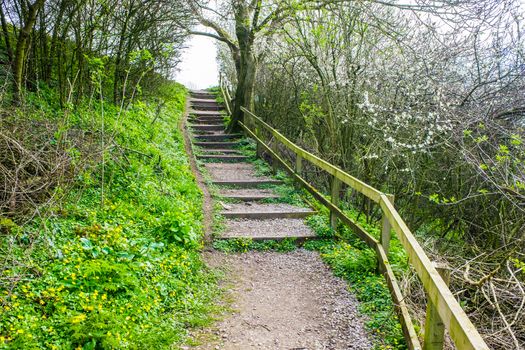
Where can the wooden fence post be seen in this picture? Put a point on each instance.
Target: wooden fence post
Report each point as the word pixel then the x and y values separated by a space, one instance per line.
pixel 299 165
pixel 434 327
pixel 259 149
pixel 386 228
pixel 275 149
pixel 336 194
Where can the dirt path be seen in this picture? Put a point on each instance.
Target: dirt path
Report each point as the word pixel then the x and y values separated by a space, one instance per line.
pixel 288 301
pixel 285 301
pixel 207 202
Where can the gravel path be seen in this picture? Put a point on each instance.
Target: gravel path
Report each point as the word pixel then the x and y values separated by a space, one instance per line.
pixel 286 301
pixel 275 228
pixel 233 171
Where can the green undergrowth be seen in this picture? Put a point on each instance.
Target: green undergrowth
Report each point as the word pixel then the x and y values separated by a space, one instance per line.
pixel 216 90
pixel 351 259
pixel 244 245
pixel 115 263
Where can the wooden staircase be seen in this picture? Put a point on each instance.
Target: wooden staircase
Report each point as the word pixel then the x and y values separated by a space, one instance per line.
pixel 250 206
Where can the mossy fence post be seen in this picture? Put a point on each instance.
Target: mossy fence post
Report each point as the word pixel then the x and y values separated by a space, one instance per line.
pixel 434 327
pixel 386 228
pixel 336 196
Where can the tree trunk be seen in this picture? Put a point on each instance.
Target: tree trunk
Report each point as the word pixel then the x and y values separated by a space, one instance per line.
pixel 117 73
pixel 80 59
pixel 5 29
pixel 21 47
pixel 244 90
pixel 54 41
pixel 246 65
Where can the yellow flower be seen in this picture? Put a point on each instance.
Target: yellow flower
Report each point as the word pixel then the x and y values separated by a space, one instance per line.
pixel 78 318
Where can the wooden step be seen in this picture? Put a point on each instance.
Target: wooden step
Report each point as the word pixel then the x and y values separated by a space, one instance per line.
pixel 247 183
pixel 261 215
pixel 203 100
pixel 204 119
pixel 298 239
pixel 202 95
pixel 208 117
pixel 276 229
pixel 222 157
pixel 217 137
pixel 211 118
pixel 203 132
pixel 216 145
pixel 220 151
pixel 208 127
pixel 205 107
pixel 198 121
pixel 199 113
pixel 250 197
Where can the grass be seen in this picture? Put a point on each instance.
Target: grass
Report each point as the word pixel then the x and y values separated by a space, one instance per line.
pixel 114 265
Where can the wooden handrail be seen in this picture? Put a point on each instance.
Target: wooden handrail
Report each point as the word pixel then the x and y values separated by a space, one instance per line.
pixel 455 320
pixel 225 95
pixel 351 181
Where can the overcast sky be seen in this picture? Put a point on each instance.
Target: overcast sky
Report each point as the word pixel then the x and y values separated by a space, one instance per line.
pixel 198 69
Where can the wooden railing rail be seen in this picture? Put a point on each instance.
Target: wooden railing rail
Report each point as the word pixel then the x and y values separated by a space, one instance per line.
pixel 443 310
pixel 225 95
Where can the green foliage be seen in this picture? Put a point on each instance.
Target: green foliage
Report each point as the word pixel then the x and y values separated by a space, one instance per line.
pixel 115 264
pixel 216 90
pixel 321 225
pixel 243 245
pixel 519 264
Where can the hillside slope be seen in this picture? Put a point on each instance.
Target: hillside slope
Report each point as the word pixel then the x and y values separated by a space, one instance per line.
pixel 107 257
